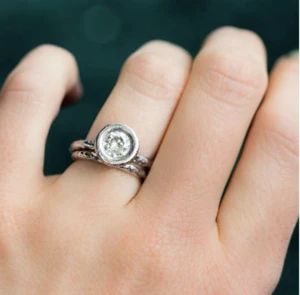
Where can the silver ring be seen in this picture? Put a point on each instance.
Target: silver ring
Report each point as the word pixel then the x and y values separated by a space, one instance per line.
pixel 117 146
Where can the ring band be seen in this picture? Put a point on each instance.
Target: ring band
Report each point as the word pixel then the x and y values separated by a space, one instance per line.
pixel 89 145
pixel 116 146
pixel 130 168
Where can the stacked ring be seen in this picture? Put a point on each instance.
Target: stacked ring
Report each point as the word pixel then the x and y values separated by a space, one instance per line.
pixel 116 146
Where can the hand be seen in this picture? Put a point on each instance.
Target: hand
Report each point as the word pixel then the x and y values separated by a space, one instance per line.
pixel 97 230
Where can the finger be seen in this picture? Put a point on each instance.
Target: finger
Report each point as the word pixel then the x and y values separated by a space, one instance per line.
pixel 227 83
pixel 29 101
pixel 261 204
pixel 144 98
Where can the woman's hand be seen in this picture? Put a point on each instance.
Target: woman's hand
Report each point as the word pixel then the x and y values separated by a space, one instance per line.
pixel 97 230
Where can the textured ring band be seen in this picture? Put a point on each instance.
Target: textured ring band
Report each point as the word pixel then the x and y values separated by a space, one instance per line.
pixel 130 168
pixel 89 145
pixel 115 146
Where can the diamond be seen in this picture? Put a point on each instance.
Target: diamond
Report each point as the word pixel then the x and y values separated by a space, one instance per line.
pixel 116 144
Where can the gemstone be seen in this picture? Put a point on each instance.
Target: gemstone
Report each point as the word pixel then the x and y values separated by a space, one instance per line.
pixel 116 144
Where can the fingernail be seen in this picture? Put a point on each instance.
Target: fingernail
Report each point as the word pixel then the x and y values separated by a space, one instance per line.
pixel 294 54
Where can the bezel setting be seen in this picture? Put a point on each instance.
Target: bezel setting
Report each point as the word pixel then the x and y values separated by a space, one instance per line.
pixel 116 144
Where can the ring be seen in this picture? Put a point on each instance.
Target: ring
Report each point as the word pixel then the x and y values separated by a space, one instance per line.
pixel 117 146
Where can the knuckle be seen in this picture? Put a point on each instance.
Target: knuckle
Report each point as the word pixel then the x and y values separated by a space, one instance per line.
pixel 281 139
pixel 236 34
pixel 252 37
pixel 60 57
pixel 152 75
pixel 25 86
pixel 53 50
pixel 29 80
pixel 25 80
pixel 230 78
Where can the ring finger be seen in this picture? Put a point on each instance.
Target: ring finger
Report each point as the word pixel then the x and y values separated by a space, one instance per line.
pixel 144 98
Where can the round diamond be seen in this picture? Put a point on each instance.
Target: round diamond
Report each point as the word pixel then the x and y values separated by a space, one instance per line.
pixel 116 144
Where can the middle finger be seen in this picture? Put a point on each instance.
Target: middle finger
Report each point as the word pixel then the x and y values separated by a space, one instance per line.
pixel 227 83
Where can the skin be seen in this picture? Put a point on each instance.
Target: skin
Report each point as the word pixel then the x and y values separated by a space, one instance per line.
pixel 97 230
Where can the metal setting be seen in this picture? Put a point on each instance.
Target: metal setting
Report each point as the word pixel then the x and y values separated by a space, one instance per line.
pixel 116 146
